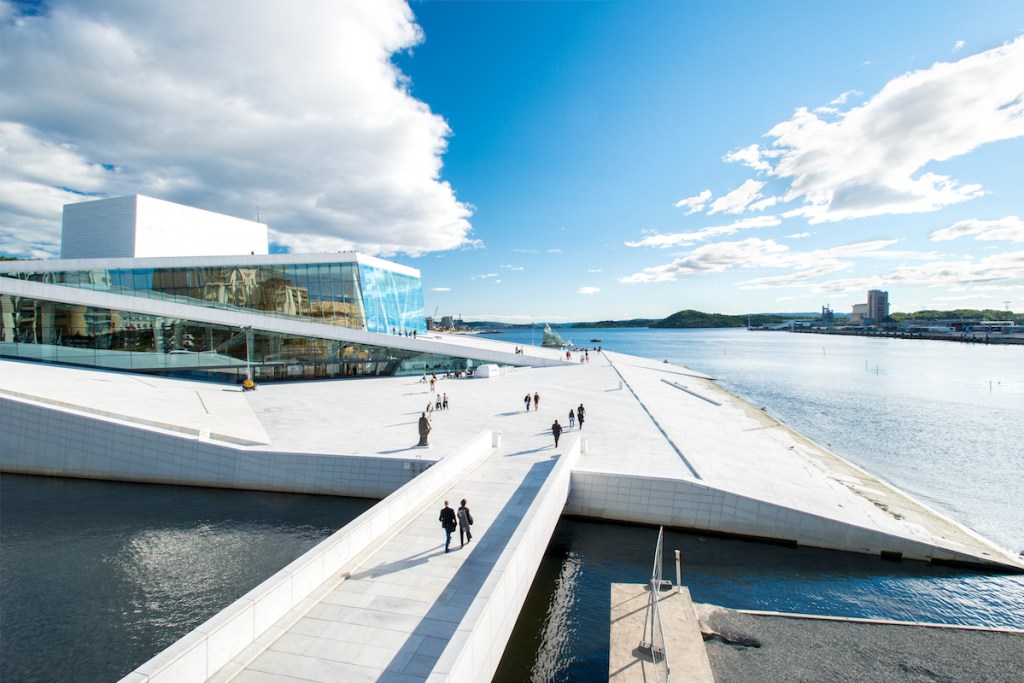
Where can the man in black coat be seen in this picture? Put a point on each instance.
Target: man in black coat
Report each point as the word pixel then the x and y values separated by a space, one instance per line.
pixel 448 523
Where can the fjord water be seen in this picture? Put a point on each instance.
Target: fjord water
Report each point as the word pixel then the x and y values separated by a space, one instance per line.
pixel 97 577
pixel 940 420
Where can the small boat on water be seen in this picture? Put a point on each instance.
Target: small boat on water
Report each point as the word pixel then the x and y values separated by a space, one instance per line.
pixel 595 341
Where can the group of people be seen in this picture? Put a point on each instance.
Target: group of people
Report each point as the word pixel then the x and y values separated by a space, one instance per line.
pixel 461 520
pixel 440 404
pixel 404 333
pixel 579 414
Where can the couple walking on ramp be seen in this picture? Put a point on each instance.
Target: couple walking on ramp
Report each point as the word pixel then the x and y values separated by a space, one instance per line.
pixel 448 523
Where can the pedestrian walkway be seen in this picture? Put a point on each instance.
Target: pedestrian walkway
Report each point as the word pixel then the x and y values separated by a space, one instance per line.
pixel 410 609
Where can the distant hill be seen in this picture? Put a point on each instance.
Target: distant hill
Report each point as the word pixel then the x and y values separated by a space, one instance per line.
pixel 697 319
pixel 635 322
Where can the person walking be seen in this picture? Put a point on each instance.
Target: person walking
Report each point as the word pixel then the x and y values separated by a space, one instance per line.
pixel 572 418
pixel 444 403
pixel 448 523
pixel 580 414
pixel 465 521
pixel 438 403
pixel 556 431
pixel 526 400
pixel 536 401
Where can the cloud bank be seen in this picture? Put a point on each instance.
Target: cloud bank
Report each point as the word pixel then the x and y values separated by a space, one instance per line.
pixel 224 106
pixel 869 161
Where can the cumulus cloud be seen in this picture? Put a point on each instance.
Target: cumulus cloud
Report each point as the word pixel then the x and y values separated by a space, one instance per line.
pixel 695 203
pixel 588 290
pixel 749 155
pixel 739 199
pixel 225 106
pixel 758 253
pixel 1002 269
pixel 709 258
pixel 842 99
pixel 688 238
pixel 1010 228
pixel 869 160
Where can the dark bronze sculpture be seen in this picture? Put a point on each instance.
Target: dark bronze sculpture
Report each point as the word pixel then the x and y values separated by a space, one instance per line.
pixel 424 430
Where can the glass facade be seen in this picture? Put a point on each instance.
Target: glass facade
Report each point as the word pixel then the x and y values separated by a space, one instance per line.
pixel 33 329
pixel 348 294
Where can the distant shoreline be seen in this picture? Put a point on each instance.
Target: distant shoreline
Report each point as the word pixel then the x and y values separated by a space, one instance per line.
pixel 962 337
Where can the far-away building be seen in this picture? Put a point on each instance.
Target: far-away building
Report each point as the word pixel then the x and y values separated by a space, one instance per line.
pixel 878 305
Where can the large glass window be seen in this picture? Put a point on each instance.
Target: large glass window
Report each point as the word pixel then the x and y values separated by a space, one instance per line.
pixel 82 335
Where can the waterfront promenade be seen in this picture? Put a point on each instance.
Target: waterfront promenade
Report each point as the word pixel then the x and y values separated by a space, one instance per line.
pixel 661 445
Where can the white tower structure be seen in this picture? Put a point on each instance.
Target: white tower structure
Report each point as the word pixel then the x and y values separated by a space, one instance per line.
pixel 137 226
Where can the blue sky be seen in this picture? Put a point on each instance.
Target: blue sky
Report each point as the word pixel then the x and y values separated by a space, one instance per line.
pixel 550 161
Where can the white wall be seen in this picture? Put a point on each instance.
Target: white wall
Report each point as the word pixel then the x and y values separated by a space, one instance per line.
pixel 140 226
pixel 97 229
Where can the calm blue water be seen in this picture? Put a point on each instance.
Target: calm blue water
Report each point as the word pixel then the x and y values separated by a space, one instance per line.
pixel 940 420
pixel 97 577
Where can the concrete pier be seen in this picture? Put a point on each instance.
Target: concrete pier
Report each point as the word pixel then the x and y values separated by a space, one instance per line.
pixel 686 660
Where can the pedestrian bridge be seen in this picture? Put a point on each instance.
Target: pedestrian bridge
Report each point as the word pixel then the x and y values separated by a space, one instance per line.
pixel 380 599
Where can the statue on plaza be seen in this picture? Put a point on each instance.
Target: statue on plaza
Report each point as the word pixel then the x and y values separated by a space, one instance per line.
pixel 424 430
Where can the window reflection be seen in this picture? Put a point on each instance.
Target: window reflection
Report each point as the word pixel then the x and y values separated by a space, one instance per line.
pixel 84 335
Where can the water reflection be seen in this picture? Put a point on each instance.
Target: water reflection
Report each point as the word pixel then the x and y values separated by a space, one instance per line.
pixel 108 574
pixel 562 633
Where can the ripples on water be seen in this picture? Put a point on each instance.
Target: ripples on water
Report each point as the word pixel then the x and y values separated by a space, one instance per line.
pixel 97 577
pixel 562 633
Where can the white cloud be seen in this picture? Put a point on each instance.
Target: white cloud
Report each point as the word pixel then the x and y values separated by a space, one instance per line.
pixel 509 266
pixel 593 270
pixel 1005 269
pixel 484 276
pixel 554 251
pixel 842 99
pixel 440 289
pixel 869 161
pixel 739 199
pixel 799 235
pixel 757 253
pixel 958 45
pixel 226 107
pixel 965 297
pixel 1010 228
pixel 689 238
pixel 588 290
pixel 695 203
pixel 709 258
pixel 751 156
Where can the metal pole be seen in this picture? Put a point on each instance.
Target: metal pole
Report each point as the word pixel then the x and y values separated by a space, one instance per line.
pixel 248 344
pixel 678 573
